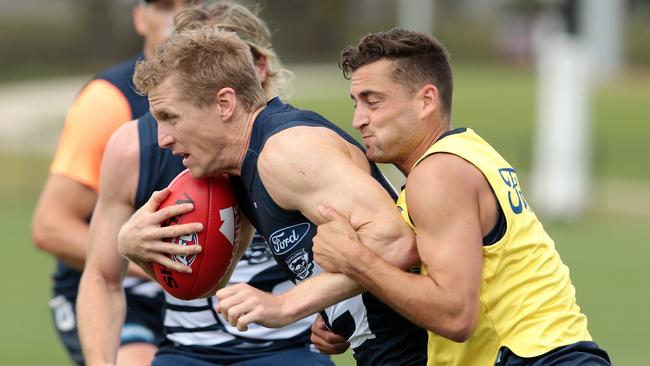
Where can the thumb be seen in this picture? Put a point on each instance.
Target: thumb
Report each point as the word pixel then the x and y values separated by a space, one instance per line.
pixel 156 199
pixel 330 214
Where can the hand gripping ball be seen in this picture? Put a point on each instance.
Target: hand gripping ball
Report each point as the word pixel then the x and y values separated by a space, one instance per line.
pixel 216 208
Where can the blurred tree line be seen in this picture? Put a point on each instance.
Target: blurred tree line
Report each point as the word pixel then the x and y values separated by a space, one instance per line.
pixel 40 38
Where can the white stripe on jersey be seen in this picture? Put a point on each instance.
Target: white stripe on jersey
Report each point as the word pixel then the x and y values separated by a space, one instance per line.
pixel 188 320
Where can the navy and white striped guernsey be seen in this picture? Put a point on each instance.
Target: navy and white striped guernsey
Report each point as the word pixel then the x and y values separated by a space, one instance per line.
pixel 193 327
pixel 378 335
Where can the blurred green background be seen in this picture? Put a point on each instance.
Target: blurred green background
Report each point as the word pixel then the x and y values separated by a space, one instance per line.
pixel 606 251
pixel 606 248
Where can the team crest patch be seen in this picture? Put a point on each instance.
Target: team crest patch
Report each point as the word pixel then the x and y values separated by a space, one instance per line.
pixel 286 239
pixel 190 239
pixel 300 265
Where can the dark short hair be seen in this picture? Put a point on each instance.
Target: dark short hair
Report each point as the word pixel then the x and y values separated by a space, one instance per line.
pixel 420 59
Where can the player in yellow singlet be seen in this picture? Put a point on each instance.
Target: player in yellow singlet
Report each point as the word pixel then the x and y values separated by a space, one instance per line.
pixel 492 289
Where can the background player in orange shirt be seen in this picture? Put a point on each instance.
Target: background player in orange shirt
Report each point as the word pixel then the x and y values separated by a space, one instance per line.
pixel 60 224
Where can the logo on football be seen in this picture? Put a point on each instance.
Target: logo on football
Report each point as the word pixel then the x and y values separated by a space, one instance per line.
pixel 191 239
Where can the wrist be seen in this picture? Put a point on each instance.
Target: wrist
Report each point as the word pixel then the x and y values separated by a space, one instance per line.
pixel 291 309
pixel 358 268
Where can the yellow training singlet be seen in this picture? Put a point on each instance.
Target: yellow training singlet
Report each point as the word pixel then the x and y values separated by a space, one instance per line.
pixel 527 300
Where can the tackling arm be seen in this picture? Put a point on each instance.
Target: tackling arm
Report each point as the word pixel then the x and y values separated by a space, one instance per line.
pixel 443 194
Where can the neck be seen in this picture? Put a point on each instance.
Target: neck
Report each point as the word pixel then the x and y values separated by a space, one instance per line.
pixel 148 50
pixel 429 138
pixel 243 137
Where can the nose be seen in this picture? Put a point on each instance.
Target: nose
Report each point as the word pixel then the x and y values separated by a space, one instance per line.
pixel 359 119
pixel 165 140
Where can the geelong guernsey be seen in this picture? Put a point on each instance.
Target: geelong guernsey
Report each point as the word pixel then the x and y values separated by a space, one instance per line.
pixel 194 326
pixel 528 303
pixel 377 334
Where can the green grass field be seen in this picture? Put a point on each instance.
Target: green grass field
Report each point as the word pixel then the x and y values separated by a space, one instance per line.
pixel 606 252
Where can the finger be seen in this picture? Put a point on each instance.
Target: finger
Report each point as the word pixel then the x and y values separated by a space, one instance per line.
pixel 174 231
pixel 234 313
pixel 182 250
pixel 326 347
pixel 319 323
pixel 330 214
pixel 169 263
pixel 223 294
pixel 167 213
pixel 156 199
pixel 333 338
pixel 323 332
pixel 227 292
pixel 244 320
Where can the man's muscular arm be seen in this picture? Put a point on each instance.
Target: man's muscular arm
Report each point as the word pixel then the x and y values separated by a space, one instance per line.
pixel 444 196
pixel 301 168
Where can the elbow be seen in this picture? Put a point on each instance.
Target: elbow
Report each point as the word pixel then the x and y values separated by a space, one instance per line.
pixel 460 332
pixel 459 327
pixel 93 279
pixel 403 253
pixel 42 233
pixel 409 257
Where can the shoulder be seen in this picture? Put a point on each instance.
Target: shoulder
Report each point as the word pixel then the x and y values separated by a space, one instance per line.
pixel 298 162
pixel 101 91
pixel 443 167
pixel 121 162
pixel 302 143
pixel 124 142
pixel 442 181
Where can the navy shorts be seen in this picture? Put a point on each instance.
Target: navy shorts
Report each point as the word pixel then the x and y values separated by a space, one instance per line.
pixel 288 357
pixel 143 324
pixel 580 353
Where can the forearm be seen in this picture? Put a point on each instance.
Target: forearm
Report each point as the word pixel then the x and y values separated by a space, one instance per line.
pixel 101 309
pixel 141 269
pixel 318 293
pixel 145 271
pixel 408 293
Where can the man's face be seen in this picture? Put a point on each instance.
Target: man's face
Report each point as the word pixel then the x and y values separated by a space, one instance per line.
pixel 194 133
pixel 385 112
pixel 154 20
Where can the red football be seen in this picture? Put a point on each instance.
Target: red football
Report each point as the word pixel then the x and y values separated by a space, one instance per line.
pixel 216 208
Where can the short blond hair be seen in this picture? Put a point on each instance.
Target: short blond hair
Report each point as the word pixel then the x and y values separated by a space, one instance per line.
pixel 237 18
pixel 203 61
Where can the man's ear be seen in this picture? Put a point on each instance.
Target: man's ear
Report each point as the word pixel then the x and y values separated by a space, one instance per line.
pixel 226 100
pixel 429 100
pixel 261 66
pixel 138 20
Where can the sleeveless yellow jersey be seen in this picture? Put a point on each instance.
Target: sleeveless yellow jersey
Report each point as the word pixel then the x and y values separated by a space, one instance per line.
pixel 527 300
